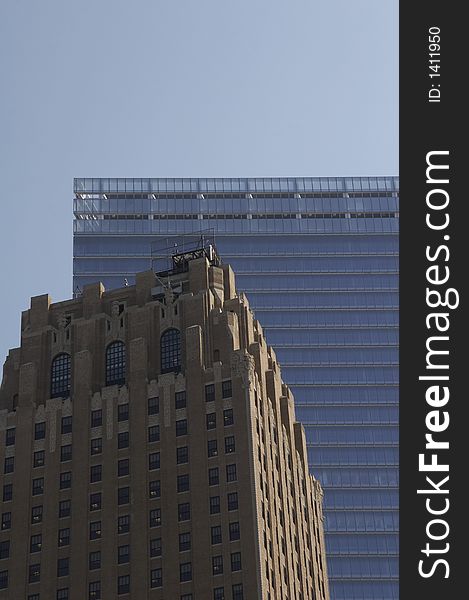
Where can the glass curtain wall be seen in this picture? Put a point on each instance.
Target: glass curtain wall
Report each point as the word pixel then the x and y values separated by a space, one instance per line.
pixel 318 259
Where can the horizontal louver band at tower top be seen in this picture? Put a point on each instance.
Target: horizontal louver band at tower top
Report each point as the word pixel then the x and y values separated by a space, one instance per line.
pixel 318 259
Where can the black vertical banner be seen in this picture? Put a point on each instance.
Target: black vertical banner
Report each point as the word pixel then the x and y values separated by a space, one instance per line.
pixel 434 357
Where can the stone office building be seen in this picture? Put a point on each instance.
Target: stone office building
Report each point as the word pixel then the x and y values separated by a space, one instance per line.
pixel 150 449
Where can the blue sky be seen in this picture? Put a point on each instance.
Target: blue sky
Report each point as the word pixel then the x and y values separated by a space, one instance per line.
pixel 158 88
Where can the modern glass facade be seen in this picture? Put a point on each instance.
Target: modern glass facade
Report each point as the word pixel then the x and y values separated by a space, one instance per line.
pixel 318 259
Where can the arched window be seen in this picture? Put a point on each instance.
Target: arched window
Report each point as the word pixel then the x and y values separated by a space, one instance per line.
pixel 60 376
pixel 170 345
pixel 115 363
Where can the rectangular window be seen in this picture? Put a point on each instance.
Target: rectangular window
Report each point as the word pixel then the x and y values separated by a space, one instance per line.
pixel 154 489
pixel 181 427
pixel 216 534
pixel 94 590
pixel 184 511
pixel 10 436
pixel 9 464
pixel 237 590
pixel 62 594
pixel 236 561
pixel 96 446
pixel 186 597
pixel 40 430
pixel 123 584
pixel 65 507
pixel 6 521
pixel 3 580
pixel 96 418
pixel 153 406
pixel 66 425
pixel 211 420
pixel 233 501
pixel 226 391
pixel 38 486
pixel 154 461
pixel 182 455
pixel 123 495
pixel 36 514
pixel 95 530
pixel 214 505
pixel 96 473
pixel 180 400
pixel 63 538
pixel 184 542
pixel 155 517
pixel 229 444
pixel 7 492
pixel 66 453
pixel 234 531
pixel 155 547
pixel 217 565
pixel 183 483
pixel 210 392
pixel 38 459
pixel 35 543
pixel 185 572
pixel 123 440
pixel 213 476
pixel 231 473
pixel 228 417
pixel 34 573
pixel 154 433
pixel 123 524
pixel 4 549
pixel 123 554
pixel 94 560
pixel 95 501
pixel 32 596
pixel 219 593
pixel 65 480
pixel 212 448
pixel 123 467
pixel 123 412
pixel 156 578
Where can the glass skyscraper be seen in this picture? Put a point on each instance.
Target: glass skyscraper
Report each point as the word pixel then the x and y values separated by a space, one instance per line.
pixel 318 259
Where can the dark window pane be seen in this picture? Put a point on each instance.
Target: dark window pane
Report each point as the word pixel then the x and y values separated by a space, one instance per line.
pixel 38 458
pixel 60 378
pixel 115 363
pixel 36 514
pixel 123 495
pixel 66 426
pixel 170 347
pixel 96 418
pixel 123 524
pixel 153 406
pixel 154 433
pixel 181 427
pixel 212 448
pixel 123 412
pixel 64 508
pixel 213 476
pixel 210 392
pixel 40 431
pixel 183 483
pixel 211 421
pixel 123 439
pixel 180 400
pixel 226 389
pixel 156 578
pixel 228 417
pixel 123 467
pixel 96 446
pixel 184 542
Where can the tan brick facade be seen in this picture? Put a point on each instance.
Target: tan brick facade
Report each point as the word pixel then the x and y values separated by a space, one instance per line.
pixel 192 482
